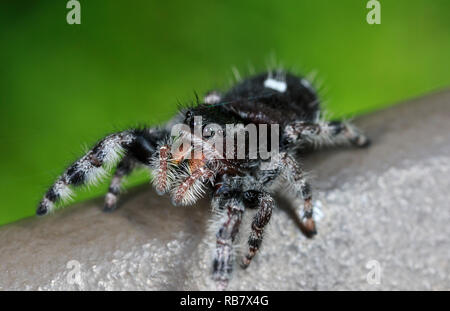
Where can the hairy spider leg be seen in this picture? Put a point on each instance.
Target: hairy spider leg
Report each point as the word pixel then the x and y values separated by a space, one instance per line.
pixel 124 168
pixel 326 133
pixel 162 177
pixel 92 167
pixel 192 186
pixel 232 209
pixel 295 177
pixel 265 204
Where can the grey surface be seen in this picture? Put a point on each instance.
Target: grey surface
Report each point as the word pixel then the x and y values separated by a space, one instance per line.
pixel 388 203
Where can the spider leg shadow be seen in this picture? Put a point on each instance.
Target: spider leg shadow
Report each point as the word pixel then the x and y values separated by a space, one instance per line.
pixel 287 207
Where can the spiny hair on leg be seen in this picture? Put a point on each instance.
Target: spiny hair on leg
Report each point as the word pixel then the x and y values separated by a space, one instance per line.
pixel 237 188
pixel 291 184
pixel 88 170
pixel 123 169
pixel 293 177
pixel 191 185
pixel 329 134
pixel 339 133
pixel 162 168
pixel 325 133
pixel 227 224
pixel 164 162
pixel 265 206
pixel 310 133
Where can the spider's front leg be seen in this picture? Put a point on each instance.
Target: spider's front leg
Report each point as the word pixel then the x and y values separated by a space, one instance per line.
pixel 231 208
pixel 162 176
pixel 140 144
pixel 192 187
pixel 327 133
pixel 202 167
pixel 88 169
pixel 158 161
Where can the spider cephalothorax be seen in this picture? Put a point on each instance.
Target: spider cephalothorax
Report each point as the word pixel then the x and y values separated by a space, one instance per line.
pixel 187 163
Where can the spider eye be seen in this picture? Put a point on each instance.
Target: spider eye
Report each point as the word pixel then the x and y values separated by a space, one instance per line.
pixel 208 132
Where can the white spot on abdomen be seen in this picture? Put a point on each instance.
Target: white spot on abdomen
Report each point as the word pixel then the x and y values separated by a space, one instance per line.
pixel 279 86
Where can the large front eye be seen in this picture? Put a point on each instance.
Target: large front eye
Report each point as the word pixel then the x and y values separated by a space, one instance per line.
pixel 211 130
pixel 208 132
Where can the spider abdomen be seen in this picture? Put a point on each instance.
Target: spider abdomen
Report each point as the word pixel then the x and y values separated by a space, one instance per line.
pixel 269 98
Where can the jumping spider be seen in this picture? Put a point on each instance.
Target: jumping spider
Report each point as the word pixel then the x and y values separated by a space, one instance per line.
pixel 233 184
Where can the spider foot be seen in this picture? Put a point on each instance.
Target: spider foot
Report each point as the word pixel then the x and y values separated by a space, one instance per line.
pixel 246 260
pixel 42 209
pixel 221 284
pixel 110 203
pixel 309 228
pixel 361 141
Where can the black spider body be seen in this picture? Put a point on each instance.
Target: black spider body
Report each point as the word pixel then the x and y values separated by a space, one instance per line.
pixel 282 101
pixel 250 102
pixel 255 103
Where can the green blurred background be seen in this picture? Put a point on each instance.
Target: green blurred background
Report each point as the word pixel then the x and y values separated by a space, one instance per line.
pixel 65 86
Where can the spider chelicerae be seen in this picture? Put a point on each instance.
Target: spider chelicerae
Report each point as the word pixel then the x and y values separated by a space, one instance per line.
pixel 189 164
